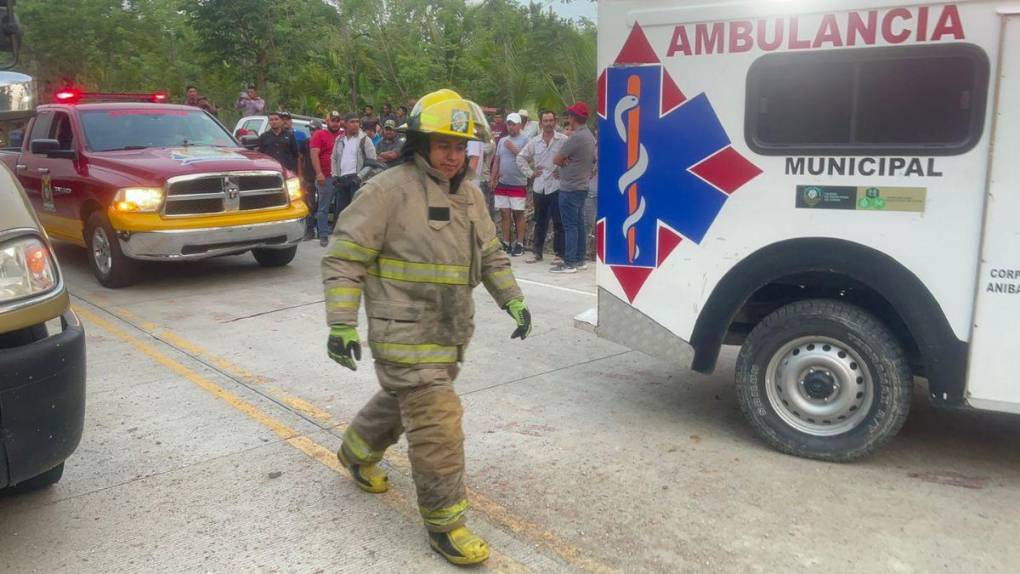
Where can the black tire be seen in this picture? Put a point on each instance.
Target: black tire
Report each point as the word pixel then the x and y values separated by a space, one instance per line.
pixel 853 333
pixel 48 478
pixel 274 257
pixel 123 271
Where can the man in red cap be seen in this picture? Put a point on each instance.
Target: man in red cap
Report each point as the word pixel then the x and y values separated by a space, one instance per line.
pixel 575 159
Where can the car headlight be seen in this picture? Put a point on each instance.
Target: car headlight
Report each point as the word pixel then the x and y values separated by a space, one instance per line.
pixel 26 269
pixel 294 188
pixel 138 199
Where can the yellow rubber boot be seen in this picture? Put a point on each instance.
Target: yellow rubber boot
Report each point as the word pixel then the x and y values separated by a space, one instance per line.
pixel 369 477
pixel 460 546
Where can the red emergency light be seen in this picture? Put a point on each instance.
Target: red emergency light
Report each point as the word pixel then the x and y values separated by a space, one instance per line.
pixel 67 96
pixel 75 96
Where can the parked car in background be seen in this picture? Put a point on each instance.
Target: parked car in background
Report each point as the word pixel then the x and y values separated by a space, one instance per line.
pixel 42 343
pixel 256 125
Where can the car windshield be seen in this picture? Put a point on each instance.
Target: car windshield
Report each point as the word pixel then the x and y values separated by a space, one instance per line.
pixel 108 130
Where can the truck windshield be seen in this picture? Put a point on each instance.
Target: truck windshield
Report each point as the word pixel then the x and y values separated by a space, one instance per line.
pixel 108 130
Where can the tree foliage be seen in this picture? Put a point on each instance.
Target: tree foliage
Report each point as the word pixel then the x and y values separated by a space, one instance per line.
pixel 310 56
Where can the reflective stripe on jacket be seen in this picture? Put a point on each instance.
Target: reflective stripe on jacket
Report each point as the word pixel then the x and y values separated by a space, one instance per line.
pixel 415 252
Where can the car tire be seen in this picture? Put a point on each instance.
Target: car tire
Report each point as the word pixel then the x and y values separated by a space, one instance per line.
pixel 48 478
pixel 825 380
pixel 111 267
pixel 274 257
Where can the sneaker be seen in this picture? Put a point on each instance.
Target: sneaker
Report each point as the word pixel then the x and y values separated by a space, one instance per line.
pixel 323 241
pixel 506 246
pixel 562 268
pixel 517 251
pixel 582 266
pixel 534 259
pixel 557 261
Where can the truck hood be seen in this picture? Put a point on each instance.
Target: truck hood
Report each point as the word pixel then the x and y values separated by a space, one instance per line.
pixel 153 166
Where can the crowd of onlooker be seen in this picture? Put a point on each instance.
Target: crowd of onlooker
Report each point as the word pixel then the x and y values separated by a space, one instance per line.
pixel 536 172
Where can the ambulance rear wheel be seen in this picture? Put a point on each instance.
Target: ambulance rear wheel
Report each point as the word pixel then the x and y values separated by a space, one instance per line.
pixel 274 257
pixel 825 380
pixel 111 267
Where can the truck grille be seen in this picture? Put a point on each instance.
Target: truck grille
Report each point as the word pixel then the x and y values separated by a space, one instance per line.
pixel 213 193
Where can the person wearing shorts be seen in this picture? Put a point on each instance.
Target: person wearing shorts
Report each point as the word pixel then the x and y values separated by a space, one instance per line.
pixel 511 186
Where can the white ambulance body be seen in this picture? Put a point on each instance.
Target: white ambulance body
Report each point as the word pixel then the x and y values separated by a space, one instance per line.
pixel 835 186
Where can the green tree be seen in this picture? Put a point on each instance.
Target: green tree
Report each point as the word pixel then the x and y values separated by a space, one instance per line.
pixel 313 56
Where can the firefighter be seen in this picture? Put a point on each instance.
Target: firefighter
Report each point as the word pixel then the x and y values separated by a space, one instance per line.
pixel 415 242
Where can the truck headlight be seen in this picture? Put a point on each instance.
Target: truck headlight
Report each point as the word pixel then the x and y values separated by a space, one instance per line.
pixel 26 269
pixel 294 188
pixel 138 199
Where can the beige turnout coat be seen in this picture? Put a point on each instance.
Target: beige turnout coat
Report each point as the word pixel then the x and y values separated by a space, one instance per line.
pixel 415 251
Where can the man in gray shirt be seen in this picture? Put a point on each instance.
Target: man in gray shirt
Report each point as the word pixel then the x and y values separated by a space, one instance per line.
pixel 575 159
pixel 511 185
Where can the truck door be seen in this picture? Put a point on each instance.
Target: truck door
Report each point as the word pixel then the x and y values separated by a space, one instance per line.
pixel 29 178
pixel 53 182
pixel 992 381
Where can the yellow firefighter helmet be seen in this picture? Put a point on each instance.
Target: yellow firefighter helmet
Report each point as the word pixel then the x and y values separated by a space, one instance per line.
pixel 445 112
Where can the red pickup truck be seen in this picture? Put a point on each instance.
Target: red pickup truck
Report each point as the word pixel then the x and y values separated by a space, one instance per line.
pixel 137 181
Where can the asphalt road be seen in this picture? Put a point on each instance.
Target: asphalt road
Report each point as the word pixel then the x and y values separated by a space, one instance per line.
pixel 213 414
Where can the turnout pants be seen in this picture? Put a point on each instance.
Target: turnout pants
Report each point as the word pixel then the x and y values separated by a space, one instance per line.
pixel 421 402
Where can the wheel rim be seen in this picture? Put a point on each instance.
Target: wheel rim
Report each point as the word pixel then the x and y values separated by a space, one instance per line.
pixel 102 253
pixel 819 386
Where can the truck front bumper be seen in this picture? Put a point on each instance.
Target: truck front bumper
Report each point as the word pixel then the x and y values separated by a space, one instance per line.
pixel 42 402
pixel 179 244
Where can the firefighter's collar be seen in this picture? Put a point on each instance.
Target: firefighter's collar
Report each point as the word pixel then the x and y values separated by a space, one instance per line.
pixel 423 164
pixel 437 191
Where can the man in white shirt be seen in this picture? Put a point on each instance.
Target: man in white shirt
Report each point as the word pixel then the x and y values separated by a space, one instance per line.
pixel 479 154
pixel 536 160
pixel 350 151
pixel 529 127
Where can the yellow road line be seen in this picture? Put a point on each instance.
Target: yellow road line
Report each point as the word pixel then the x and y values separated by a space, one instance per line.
pixel 226 366
pixel 493 510
pixel 498 561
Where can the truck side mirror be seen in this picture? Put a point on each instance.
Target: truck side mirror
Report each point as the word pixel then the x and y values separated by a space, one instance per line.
pixel 43 146
pixel 250 141
pixel 51 148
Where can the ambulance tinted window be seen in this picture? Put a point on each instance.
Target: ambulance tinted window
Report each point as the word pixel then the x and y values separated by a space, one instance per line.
pixel 915 101
pixel 920 100
pixel 817 93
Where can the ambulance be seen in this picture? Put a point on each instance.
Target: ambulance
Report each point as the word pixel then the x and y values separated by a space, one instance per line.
pixel 832 186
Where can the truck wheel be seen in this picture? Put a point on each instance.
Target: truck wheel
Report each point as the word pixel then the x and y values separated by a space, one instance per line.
pixel 50 477
pixel 825 380
pixel 274 257
pixel 111 267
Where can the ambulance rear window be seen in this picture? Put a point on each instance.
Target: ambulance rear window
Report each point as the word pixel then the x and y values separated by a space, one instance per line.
pixel 917 100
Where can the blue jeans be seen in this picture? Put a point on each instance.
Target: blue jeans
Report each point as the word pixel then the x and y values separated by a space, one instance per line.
pixel 572 214
pixel 324 192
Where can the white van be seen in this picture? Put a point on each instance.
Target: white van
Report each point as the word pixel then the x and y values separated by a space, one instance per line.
pixel 830 185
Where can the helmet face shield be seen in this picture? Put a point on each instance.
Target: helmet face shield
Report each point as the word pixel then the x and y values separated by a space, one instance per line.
pixel 445 112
